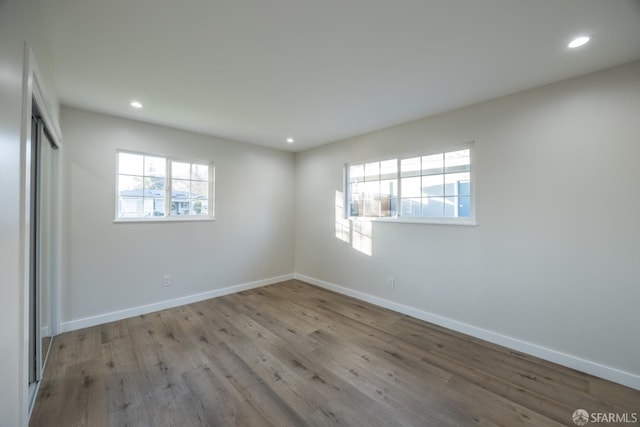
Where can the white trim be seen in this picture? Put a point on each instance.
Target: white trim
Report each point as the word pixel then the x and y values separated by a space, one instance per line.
pixel 33 89
pixel 593 368
pixel 468 222
pixel 609 373
pixel 27 393
pixel 86 322
pixel 175 218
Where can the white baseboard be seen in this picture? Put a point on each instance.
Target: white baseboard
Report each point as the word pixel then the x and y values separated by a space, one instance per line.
pixel 86 322
pixel 612 374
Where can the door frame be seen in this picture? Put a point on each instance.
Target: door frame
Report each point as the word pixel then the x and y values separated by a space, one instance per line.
pixel 33 90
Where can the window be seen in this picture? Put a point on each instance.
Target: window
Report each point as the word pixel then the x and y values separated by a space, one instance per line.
pixel 153 187
pixel 436 187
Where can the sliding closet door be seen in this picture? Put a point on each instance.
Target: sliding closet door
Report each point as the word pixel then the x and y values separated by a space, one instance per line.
pixel 32 178
pixel 43 190
pixel 47 236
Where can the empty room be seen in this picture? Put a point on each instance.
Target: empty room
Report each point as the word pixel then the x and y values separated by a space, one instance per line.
pixel 299 213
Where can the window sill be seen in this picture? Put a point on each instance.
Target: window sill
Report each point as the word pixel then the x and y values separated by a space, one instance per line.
pixel 163 219
pixel 468 222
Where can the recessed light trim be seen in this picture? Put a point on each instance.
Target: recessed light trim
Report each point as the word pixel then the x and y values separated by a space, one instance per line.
pixel 290 141
pixel 578 41
pixel 136 104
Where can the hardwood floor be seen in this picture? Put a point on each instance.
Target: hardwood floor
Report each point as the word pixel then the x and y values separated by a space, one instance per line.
pixel 292 354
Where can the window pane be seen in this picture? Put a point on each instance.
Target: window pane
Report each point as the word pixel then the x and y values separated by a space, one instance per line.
pixel 433 185
pixel 464 188
pixel 356 197
pixel 198 207
pixel 389 169
pixel 372 171
pixel 180 170
pixel 150 201
pixel 180 206
pixel 452 181
pixel 371 189
pixel 148 206
pixel 457 161
pixel 200 172
pixel 130 164
pixel 129 185
pixel 387 206
pixel 154 186
pixel 199 189
pixel 432 164
pixel 354 207
pixel 464 206
pixel 205 206
pixel 156 206
pixel 389 197
pixel 130 207
pixel 356 189
pixel 410 167
pixel 411 207
pixel 180 189
pixel 356 173
pixel 371 207
pixel 411 187
pixel 154 166
pixel 389 187
pixel 433 207
pixel 450 206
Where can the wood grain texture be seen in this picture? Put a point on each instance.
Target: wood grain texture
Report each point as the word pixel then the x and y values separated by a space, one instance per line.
pixel 292 354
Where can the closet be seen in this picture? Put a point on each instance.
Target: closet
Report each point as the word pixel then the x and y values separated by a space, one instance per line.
pixel 42 207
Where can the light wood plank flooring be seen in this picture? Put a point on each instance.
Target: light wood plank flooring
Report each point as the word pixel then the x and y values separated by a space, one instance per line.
pixel 292 354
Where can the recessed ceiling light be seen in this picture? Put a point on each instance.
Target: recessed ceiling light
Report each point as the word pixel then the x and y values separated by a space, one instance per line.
pixel 289 140
pixel 578 41
pixel 136 104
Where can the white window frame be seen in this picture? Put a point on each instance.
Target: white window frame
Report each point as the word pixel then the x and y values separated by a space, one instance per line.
pixel 168 217
pixel 398 218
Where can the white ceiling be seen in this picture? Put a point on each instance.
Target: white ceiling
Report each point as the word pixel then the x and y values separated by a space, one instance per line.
pixel 318 71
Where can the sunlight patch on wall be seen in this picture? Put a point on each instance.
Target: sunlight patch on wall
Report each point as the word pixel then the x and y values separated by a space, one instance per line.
pixel 343 226
pixel 358 233
pixel 361 237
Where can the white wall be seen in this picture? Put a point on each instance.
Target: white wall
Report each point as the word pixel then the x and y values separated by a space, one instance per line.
pixel 111 267
pixel 553 264
pixel 18 24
